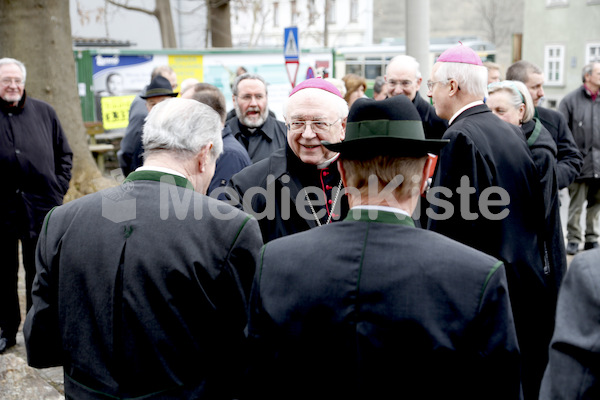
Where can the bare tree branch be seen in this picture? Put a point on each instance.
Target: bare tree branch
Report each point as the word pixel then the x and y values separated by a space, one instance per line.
pixel 132 8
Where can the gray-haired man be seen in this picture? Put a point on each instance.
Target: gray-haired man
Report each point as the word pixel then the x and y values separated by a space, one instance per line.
pixel 141 290
pixel 253 126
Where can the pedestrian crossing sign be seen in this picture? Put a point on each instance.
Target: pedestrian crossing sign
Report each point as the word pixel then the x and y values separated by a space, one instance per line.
pixel 291 50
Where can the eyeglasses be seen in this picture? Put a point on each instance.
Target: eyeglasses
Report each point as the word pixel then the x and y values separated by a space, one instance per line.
pixel 248 97
pixel 318 127
pixel 403 83
pixel 8 81
pixel 431 84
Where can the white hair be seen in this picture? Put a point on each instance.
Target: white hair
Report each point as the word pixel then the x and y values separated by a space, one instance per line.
pixel 519 94
pixel 6 60
pixel 324 97
pixel 472 79
pixel 407 61
pixel 182 126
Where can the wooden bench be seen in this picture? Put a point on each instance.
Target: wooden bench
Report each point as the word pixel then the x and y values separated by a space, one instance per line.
pixel 98 149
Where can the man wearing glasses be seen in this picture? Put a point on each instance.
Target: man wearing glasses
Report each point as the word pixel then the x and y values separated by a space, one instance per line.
pixel 402 77
pixel 253 126
pixel 298 187
pixel 487 155
pixel 36 159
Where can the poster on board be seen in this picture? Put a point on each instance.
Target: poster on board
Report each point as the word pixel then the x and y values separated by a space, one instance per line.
pixel 118 78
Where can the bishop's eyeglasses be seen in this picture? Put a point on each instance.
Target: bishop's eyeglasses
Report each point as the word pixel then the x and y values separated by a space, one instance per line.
pixel 316 126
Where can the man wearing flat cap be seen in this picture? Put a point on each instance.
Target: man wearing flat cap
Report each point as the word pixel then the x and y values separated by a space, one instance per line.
pixel 372 307
pixel 298 187
pixel 131 152
pixel 487 194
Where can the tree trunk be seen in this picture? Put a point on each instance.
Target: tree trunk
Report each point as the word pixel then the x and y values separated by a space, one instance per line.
pixel 162 12
pixel 38 33
pixel 165 21
pixel 220 23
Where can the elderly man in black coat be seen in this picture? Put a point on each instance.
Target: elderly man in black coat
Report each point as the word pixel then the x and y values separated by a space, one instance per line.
pixel 298 186
pixel 36 159
pixel 371 307
pixel 141 290
pixel 487 194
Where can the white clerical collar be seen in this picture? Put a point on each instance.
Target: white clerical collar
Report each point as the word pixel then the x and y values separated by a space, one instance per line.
pixel 381 208
pixel 328 162
pixel 462 110
pixel 161 169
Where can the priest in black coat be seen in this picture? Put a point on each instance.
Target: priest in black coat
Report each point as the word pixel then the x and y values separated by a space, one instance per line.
pixel 298 187
pixel 372 307
pixel 487 194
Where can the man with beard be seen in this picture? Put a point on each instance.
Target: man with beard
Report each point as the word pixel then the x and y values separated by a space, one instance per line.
pixel 258 131
pixel 234 157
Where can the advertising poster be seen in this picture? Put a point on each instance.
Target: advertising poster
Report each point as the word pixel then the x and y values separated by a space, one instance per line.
pixel 117 79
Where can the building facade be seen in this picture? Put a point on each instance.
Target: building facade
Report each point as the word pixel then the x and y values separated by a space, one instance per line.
pixel 374 22
pixel 261 23
pixel 561 37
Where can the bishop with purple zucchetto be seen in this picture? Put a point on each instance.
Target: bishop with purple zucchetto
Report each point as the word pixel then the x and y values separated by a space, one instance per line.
pixel 500 207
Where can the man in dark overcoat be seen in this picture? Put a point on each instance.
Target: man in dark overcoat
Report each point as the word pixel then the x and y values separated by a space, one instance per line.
pixel 253 124
pixel 235 157
pixel 132 151
pixel 141 290
pixel 487 194
pixel 372 307
pixel 298 187
pixel 403 77
pixel 569 159
pixel 36 160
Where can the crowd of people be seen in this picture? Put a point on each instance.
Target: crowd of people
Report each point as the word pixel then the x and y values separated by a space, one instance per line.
pixel 393 246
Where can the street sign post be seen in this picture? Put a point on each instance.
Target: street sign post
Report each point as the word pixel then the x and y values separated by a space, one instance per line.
pixel 291 53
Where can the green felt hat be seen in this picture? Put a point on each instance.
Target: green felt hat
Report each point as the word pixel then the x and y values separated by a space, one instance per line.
pixel 387 127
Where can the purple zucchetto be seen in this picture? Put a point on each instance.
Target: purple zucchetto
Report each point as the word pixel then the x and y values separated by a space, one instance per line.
pixel 460 54
pixel 317 83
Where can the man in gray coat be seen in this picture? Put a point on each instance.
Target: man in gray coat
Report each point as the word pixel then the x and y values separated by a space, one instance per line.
pixel 581 108
pixel 141 290
pixel 573 371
